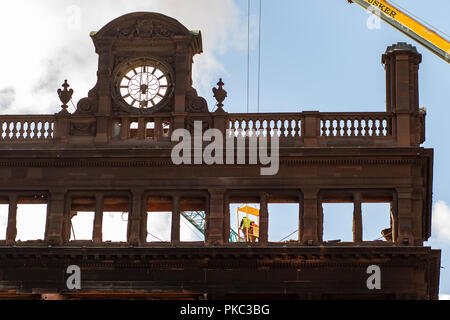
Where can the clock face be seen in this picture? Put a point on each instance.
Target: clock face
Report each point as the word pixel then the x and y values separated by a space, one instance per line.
pixel 144 85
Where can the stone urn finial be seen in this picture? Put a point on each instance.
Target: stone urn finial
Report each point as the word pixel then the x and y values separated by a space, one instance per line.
pixel 65 96
pixel 220 94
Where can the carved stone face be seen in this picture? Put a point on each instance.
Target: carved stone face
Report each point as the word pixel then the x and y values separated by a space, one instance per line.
pixel 143 83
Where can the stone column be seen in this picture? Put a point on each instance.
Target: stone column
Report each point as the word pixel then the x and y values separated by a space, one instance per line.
pixel 263 219
pixel 135 217
pixel 143 222
pixel 405 217
pixel 310 216
pixel 67 220
pixel 175 231
pixel 394 217
pixel 98 219
pixel 11 229
pixel 215 232
pixel 105 64
pixel 357 218
pixel 417 211
pixel 182 79
pixel 55 217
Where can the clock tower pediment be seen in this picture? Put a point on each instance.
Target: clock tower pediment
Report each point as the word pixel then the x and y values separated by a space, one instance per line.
pixel 145 66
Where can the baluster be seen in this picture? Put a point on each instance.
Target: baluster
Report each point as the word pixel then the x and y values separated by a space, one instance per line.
pixel 287 133
pixel 1 130
pixel 372 128
pixel 44 130
pixel 8 131
pixel 345 127
pixel 282 128
pixel 28 131
pixel 377 127
pixel 20 130
pixel 388 126
pixel 41 129
pixel 291 128
pixel 323 127
pixel 359 128
pixel 288 128
pixel 50 130
pixel 338 127
pixel 366 128
pixel 278 125
pixel 35 130
pixel 258 126
pixel 384 127
pixel 14 130
pixel 353 127
pixel 239 127
pixel 267 128
pixel 233 125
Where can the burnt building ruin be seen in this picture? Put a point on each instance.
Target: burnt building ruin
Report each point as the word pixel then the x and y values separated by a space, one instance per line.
pixel 113 155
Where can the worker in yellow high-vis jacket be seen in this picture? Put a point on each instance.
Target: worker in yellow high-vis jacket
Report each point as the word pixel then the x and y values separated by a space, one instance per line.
pixel 245 226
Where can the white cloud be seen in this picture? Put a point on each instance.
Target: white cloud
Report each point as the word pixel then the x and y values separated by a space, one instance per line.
pixel 441 221
pixel 48 41
pixel 444 297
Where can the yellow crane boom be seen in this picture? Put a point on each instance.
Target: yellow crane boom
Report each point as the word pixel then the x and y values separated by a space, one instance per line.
pixel 430 39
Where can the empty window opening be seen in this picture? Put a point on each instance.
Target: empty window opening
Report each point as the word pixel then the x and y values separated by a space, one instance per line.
pixel 165 129
pixel 338 222
pixel 192 220
pixel 376 221
pixel 283 222
pixel 159 219
pixel 31 218
pixel 244 222
pixel 134 129
pixel 4 211
pixel 115 219
pixel 82 216
pixel 116 129
pixel 150 130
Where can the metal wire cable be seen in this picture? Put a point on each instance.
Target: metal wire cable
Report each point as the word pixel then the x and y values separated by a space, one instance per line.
pixel 155 236
pixel 288 236
pixel 259 53
pixel 73 231
pixel 248 57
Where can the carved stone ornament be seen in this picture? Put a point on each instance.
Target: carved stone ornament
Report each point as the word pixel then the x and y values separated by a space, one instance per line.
pixel 144 29
pixel 220 94
pixel 86 106
pixel 194 103
pixel 82 128
pixel 142 25
pixel 65 96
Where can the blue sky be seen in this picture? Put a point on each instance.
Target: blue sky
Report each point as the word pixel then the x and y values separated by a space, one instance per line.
pixel 316 55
